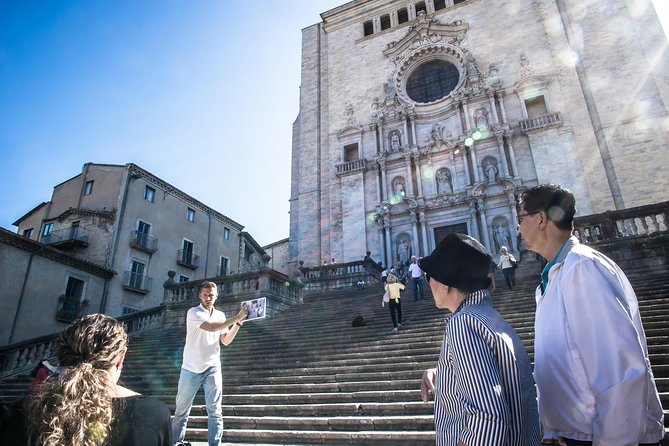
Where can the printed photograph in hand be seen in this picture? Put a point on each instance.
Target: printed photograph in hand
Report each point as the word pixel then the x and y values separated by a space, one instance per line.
pixel 256 308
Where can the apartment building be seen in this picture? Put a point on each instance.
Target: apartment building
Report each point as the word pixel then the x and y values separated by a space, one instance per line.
pixel 128 220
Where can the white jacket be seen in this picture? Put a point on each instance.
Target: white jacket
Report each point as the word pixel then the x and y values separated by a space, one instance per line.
pixel 591 367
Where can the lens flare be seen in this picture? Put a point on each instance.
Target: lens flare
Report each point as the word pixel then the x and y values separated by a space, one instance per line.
pixel 469 142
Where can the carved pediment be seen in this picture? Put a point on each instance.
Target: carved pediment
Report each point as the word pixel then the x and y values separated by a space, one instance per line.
pixel 426 31
pixel 351 130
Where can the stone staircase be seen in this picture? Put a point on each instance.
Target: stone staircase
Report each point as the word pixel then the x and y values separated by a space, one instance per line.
pixel 306 376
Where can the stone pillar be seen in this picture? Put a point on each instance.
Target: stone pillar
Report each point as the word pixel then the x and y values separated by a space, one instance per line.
pixel 512 155
pixel 465 109
pixel 412 119
pixel 454 173
pixel 406 133
pixel 384 179
pixel 484 225
pixel 475 224
pixel 381 137
pixel 419 180
pixel 414 231
pixel 472 151
pixel 491 96
pixel 379 198
pixel 407 162
pixel 389 250
pixel 514 222
pixel 468 179
pixel 500 145
pixel 500 97
pixel 423 229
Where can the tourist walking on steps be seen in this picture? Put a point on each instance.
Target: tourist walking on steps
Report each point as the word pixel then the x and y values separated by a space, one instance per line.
pixel 84 404
pixel 482 385
pixel 205 328
pixel 507 263
pixel 591 365
pixel 417 278
pixel 393 287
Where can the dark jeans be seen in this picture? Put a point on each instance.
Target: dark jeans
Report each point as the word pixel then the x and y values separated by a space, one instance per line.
pixel 571 442
pixel 395 306
pixel 417 283
pixel 510 277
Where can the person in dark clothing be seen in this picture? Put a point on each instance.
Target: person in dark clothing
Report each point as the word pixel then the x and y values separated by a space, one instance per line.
pixel 84 404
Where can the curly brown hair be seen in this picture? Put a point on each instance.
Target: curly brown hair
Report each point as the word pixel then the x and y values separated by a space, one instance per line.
pixel 75 407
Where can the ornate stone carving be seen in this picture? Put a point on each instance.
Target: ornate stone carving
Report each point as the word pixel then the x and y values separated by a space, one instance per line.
pixel 525 69
pixel 350 118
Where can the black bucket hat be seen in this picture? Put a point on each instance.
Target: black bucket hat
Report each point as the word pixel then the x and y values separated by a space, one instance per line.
pixel 459 261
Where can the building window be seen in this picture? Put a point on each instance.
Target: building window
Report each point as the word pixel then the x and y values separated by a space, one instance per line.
pixel 536 107
pixel 439 4
pixel 385 22
pixel 432 81
pixel 455 2
pixel 420 7
pixel 224 270
pixel 136 275
pixel 226 234
pixel 187 252
pixel 190 214
pixel 88 188
pixel 402 16
pixel 183 278
pixel 351 152
pixel 48 229
pixel 368 27
pixel 75 288
pixel 149 194
pixel 28 232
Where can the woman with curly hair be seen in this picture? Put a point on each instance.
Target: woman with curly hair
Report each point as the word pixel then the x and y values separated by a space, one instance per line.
pixel 84 405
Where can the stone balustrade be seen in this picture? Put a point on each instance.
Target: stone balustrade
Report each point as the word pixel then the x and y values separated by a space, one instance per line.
pixel 541 122
pixel 626 223
pixel 339 275
pixel 350 166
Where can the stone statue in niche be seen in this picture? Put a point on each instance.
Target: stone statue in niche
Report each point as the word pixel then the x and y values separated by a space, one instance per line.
pixel 394 142
pixel 399 186
pixel 435 133
pixel 490 171
pixel 481 118
pixel 403 251
pixel 350 119
pixel 525 68
pixel 493 76
pixel 376 113
pixel 444 182
pixel 501 236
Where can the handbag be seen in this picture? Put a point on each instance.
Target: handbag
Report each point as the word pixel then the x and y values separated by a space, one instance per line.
pixel 514 265
pixel 386 297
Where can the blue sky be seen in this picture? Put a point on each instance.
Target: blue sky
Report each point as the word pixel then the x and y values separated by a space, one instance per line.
pixel 202 93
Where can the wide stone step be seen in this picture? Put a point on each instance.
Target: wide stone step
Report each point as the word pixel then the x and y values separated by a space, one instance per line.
pixel 323 437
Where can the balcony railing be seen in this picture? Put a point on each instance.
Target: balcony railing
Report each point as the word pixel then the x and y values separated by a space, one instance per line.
pixel 351 166
pixel 68 238
pixel 143 241
pixel 137 283
pixel 541 122
pixel 188 259
pixel 70 308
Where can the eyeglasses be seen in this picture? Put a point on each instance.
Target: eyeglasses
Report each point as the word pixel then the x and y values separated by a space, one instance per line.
pixel 520 216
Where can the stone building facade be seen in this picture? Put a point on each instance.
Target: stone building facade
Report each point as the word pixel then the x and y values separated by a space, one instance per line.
pixel 422 118
pixel 128 220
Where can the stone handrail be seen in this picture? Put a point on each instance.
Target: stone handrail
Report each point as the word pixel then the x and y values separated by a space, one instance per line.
pixel 280 291
pixel 350 166
pixel 24 356
pixel 339 275
pixel 626 223
pixel 541 122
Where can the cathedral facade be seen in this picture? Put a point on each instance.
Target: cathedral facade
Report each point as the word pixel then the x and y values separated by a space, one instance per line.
pixel 422 118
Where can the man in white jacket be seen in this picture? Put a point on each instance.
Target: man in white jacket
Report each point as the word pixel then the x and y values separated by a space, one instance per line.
pixel 593 376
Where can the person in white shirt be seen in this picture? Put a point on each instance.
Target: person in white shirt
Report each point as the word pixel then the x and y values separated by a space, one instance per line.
pixel 205 328
pixel 591 366
pixel 507 264
pixel 417 278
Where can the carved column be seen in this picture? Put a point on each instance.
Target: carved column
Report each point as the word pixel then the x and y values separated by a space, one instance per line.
pixel 514 221
pixel 414 231
pixel 500 97
pixel 406 132
pixel 475 224
pixel 389 251
pixel 407 163
pixel 419 180
pixel 468 119
pixel 502 155
pixel 472 151
pixel 491 96
pixel 512 155
pixel 381 138
pixel 468 179
pixel 423 229
pixel 454 172
pixel 379 197
pixel 412 119
pixel 484 224
pixel 384 179
pixel 375 128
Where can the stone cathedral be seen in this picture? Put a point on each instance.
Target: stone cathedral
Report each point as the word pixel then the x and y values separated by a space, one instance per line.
pixel 422 118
